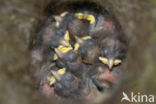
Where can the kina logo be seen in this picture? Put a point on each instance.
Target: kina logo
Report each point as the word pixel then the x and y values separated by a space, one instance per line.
pixel 137 97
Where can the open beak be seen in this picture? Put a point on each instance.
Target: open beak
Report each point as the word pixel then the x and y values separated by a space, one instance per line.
pixel 59 53
pixel 65 43
pixel 79 40
pixel 107 61
pixel 61 50
pixel 56 75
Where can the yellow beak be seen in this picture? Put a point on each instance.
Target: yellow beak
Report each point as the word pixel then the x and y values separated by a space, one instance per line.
pixel 110 61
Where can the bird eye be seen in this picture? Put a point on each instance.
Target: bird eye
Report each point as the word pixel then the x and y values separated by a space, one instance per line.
pixel 117 61
pixel 66 36
pixel 104 60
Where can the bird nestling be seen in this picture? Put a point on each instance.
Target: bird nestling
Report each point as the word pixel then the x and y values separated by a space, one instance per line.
pixel 69 87
pixel 78 27
pixel 113 50
pixel 53 34
pixel 72 62
pixel 102 77
pixel 88 49
pixel 59 82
